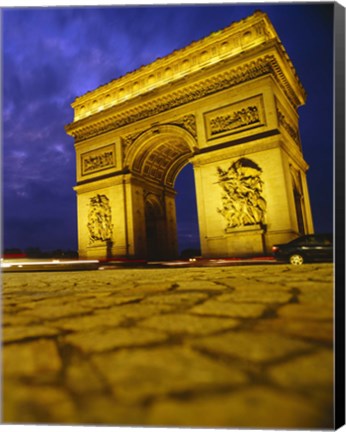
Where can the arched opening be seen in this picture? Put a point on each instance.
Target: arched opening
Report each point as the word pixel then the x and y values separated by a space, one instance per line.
pixel 186 213
pixel 155 159
pixel 154 228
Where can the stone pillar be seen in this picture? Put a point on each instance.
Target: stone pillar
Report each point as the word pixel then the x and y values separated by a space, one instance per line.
pixel 103 230
pixel 171 226
pixel 245 202
pixel 232 205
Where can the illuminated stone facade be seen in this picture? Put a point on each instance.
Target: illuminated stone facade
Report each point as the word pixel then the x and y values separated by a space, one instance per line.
pixel 227 104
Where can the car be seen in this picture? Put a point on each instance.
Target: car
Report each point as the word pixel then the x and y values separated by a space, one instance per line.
pixel 307 248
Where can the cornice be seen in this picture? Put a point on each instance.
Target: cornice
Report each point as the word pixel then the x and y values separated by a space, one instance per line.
pixel 116 117
pixel 226 44
pixel 234 33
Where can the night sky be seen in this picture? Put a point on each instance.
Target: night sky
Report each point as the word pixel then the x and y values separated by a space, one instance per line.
pixel 51 55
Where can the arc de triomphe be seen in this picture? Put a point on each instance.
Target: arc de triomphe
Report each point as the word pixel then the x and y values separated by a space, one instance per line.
pixel 227 104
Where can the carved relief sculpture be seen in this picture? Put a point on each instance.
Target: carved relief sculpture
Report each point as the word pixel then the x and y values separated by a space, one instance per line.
pixel 100 219
pixel 188 122
pixel 235 118
pixel 243 203
pixel 98 160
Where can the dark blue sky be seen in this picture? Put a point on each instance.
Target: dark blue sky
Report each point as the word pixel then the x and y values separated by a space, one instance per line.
pixel 50 55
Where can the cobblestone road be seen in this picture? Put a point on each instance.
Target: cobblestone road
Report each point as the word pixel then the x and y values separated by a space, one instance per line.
pixel 248 346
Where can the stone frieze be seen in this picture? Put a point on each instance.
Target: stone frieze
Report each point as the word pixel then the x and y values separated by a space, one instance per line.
pixel 235 118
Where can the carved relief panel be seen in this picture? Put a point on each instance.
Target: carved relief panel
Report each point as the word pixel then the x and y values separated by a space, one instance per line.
pixel 99 219
pixel 242 194
pixel 235 118
pixel 98 160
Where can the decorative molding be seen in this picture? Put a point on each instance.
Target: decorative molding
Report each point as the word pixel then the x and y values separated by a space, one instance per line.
pixel 245 230
pixel 98 123
pixel 296 179
pixel 242 200
pixel 99 219
pixel 127 141
pixel 98 160
pixel 221 45
pixel 188 122
pixel 287 125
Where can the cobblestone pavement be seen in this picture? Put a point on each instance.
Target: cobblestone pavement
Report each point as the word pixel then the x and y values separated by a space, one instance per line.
pixel 246 346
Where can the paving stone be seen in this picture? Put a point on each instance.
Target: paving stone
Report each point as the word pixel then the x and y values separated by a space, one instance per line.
pixel 188 324
pixel 101 409
pixel 34 303
pixel 150 288
pixel 251 408
pixel 239 346
pixel 104 318
pixel 48 312
pixel 139 311
pixel 29 296
pixel 310 375
pixel 13 319
pixel 20 332
pixel 80 377
pixel 253 346
pixel 308 372
pixel 317 296
pixel 109 300
pixel 11 309
pixel 218 308
pixel 255 296
pixel 202 285
pixel 106 301
pixel 23 282
pixel 308 311
pixel 178 299
pixel 108 339
pixel 39 359
pixel 26 404
pixel 316 285
pixel 136 375
pixel 315 330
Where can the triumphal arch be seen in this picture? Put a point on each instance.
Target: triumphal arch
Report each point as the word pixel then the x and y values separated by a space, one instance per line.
pixel 227 104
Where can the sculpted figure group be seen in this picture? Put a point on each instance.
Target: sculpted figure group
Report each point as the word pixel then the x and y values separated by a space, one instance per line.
pixel 237 119
pixel 243 203
pixel 100 219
